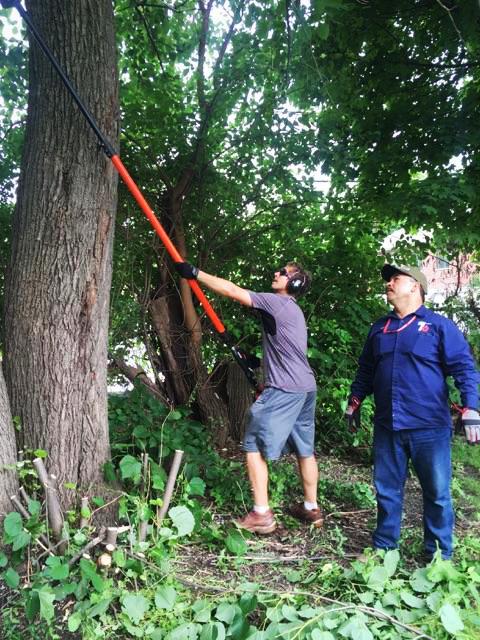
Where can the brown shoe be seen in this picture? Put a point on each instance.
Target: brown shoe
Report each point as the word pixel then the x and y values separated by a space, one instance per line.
pixel 257 522
pixel 310 516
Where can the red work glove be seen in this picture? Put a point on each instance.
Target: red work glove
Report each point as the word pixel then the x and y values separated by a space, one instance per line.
pixel 352 414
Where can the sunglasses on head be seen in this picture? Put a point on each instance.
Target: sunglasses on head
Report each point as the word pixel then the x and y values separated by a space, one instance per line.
pixel 283 271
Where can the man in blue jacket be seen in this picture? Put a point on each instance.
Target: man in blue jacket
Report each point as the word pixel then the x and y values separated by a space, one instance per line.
pixel 406 359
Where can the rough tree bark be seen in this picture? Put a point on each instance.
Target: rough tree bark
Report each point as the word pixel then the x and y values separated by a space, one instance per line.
pixel 57 293
pixel 8 452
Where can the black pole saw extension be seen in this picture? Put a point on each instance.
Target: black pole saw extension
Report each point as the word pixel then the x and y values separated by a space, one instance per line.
pixel 245 361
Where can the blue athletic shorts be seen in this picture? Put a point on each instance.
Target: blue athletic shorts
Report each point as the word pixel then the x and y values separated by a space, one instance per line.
pixel 280 422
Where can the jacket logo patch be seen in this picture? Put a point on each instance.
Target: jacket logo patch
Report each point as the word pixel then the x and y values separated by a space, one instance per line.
pixel 424 327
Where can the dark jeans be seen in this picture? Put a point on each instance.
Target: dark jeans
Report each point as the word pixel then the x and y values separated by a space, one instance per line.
pixel 429 451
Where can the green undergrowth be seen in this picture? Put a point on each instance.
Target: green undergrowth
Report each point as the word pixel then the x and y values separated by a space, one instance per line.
pixel 154 589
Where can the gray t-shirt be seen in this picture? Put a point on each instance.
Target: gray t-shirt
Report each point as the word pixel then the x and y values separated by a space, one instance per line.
pixel 284 343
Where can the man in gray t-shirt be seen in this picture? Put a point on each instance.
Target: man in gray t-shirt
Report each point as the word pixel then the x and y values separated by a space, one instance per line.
pixel 282 419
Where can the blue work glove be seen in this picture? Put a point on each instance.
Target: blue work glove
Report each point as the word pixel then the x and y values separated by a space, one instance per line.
pixel 471 424
pixel 186 270
pixel 352 414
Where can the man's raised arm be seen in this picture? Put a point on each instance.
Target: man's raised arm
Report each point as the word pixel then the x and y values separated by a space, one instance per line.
pixel 217 285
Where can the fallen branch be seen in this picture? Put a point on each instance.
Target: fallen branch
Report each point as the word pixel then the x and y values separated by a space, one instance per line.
pixel 172 477
pixel 90 545
pixel 42 540
pixel 54 512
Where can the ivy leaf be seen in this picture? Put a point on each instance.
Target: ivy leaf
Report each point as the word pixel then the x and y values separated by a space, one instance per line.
pixel 235 543
pixel 21 540
pixel 135 607
pixel 74 621
pixel 46 598
pixel 182 519
pixel 321 635
pixel 3 560
pixel 130 468
pixel 11 577
pixel 450 617
pixel 196 487
pixel 419 581
pixel 213 631
pixel 390 562
pixel 165 597
pixel 378 578
pixel 412 601
pixel 240 627
pixel 202 610
pixel 226 612
pixel 57 569
pixel 248 603
pixel 186 631
pixel 12 525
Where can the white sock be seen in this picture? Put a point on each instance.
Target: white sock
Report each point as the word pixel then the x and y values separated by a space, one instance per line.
pixel 261 510
pixel 310 506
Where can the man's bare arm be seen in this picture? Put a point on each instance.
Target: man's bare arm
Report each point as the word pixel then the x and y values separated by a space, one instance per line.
pixel 225 288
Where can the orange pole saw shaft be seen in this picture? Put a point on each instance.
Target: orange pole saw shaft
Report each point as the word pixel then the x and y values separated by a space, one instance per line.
pixel 169 246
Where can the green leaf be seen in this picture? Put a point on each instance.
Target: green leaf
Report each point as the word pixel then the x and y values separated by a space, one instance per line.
pixel 390 562
pixel 248 602
pixel 57 569
pixel 11 577
pixel 451 619
pixel 21 540
pixel 32 606
pixel 289 613
pixel 182 518
pixel 99 608
pixel 321 635
pixel 186 631
pixel 323 29
pixel 46 598
pixel 213 631
pixel 419 581
pixel 411 600
pixel 130 468
pixel 165 597
pixel 3 560
pixel 236 543
pixel 202 610
pixel 441 570
pixel 240 627
pixel 226 612
pixel 89 571
pixel 378 578
pixel 196 487
pixel 74 621
pixel 12 524
pixel 135 606
pixel 40 453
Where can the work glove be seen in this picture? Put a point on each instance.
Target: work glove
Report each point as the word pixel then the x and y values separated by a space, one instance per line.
pixel 471 424
pixel 186 270
pixel 352 414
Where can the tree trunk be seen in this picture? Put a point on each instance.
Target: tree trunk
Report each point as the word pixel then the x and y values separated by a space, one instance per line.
pixel 8 452
pixel 57 293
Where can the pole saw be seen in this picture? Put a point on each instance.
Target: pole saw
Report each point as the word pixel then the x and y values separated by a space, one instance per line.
pixel 243 359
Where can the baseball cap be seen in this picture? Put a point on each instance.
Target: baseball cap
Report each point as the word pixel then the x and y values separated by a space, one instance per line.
pixel 389 270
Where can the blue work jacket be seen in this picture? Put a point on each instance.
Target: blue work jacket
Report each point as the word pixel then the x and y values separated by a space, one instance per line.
pixel 405 363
